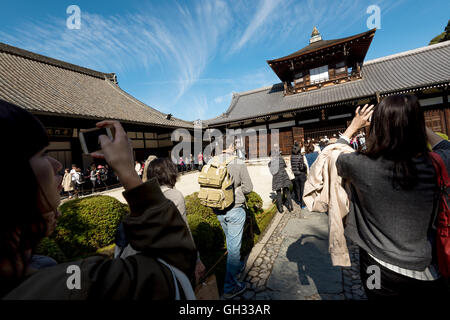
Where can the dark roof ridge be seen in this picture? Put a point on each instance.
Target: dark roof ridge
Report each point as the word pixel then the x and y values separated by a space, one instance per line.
pixel 233 103
pixel 327 43
pixel 51 61
pixel 140 103
pixel 408 52
pixel 244 93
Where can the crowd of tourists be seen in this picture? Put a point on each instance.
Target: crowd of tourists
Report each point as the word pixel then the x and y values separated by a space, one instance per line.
pixel 288 182
pixel 190 163
pixel 381 194
pixel 77 182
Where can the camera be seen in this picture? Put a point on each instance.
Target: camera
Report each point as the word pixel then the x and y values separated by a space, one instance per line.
pixel 89 139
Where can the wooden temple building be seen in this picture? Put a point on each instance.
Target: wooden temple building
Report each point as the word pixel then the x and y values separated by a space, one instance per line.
pixel 67 98
pixel 322 84
pixel 320 87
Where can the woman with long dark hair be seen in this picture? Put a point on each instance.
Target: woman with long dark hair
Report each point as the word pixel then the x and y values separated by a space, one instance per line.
pixel 393 185
pixel 165 171
pixel 30 211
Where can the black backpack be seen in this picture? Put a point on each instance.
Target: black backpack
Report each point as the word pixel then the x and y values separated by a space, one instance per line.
pixel 301 164
pixel 81 178
pixel 103 175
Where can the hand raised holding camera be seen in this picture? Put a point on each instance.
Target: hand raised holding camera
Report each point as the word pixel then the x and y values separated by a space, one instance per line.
pixel 362 117
pixel 361 120
pixel 118 152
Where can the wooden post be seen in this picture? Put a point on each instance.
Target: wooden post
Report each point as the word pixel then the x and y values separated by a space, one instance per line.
pixel 378 96
pixel 446 110
pixel 298 134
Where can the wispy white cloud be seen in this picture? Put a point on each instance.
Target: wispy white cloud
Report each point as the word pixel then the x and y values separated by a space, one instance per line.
pixel 265 8
pixel 276 22
pixel 211 81
pixel 224 98
pixel 200 106
pixel 180 40
pixel 182 46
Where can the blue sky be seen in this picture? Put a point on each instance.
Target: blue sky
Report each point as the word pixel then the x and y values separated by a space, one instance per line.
pixel 188 57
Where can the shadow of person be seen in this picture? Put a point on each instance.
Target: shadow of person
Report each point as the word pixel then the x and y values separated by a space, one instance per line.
pixel 315 271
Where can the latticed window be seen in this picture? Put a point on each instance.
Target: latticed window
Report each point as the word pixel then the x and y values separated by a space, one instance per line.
pixel 298 78
pixel 341 68
pixel 319 74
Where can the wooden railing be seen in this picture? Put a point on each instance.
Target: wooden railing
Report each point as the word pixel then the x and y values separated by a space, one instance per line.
pixel 306 86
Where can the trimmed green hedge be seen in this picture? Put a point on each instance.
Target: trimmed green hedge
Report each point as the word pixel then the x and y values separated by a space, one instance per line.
pixel 48 247
pixel 88 225
pixel 85 226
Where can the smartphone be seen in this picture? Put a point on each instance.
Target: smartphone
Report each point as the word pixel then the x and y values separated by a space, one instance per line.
pixel 89 139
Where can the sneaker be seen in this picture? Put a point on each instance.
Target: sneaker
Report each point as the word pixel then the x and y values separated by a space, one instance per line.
pixel 235 292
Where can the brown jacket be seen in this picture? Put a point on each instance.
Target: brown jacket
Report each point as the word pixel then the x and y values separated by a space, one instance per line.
pixel 155 228
pixel 324 192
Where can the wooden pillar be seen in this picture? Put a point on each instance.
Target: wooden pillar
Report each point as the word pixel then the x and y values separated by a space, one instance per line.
pixel 298 134
pixel 446 111
pixel 269 138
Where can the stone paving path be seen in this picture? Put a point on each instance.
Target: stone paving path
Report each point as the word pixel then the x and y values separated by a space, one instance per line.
pixel 295 264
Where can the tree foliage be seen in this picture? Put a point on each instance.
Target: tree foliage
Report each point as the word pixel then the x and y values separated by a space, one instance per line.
pixel 444 36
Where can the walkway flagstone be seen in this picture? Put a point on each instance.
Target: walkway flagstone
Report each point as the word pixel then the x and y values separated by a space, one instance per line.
pixel 295 264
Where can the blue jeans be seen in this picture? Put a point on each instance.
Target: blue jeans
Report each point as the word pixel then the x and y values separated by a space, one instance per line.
pixel 40 262
pixel 233 226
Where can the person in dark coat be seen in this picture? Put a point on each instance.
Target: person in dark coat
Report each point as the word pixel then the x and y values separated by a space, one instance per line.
pixel 280 181
pixel 299 168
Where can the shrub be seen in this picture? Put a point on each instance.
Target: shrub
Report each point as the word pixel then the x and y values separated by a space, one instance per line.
pixel 88 224
pixel 205 233
pixel 48 247
pixel 193 206
pixel 264 220
pixel 254 203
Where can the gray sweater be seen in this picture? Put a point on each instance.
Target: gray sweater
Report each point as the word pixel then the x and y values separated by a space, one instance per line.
pixel 242 182
pixel 391 224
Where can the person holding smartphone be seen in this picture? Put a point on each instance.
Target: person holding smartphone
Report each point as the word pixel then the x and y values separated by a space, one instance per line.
pixel 154 225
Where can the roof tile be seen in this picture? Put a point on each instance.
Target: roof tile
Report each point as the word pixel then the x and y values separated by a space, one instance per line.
pixel 411 69
pixel 43 84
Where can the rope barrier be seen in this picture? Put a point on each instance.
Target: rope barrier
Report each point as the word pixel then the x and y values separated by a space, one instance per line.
pixel 96 190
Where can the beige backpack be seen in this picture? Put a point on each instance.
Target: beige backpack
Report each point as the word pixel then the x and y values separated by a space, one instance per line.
pixel 216 190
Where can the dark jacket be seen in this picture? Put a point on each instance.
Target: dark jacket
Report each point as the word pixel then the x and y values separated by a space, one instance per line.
pixel 280 178
pixel 155 228
pixel 298 166
pixel 391 224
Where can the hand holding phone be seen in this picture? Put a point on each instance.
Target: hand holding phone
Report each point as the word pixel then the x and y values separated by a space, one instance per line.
pixel 89 139
pixel 118 152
